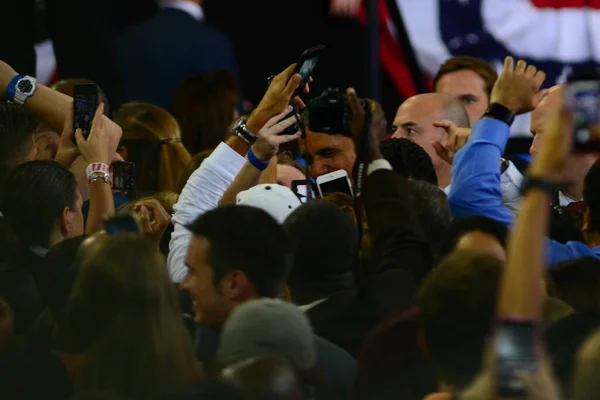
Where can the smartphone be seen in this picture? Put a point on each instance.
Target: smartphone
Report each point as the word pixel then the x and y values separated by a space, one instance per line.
pixel 335 182
pixel 85 103
pixel 302 189
pixel 306 65
pixel 126 223
pixel 123 176
pixel 517 349
pixel 583 99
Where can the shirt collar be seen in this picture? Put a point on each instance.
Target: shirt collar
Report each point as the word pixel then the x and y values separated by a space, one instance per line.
pixel 564 200
pixel 306 307
pixel 189 7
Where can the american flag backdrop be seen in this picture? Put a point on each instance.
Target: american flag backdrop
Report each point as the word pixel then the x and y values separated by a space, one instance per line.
pixel 554 35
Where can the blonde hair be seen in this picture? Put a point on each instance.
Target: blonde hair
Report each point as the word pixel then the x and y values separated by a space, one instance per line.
pixel 153 140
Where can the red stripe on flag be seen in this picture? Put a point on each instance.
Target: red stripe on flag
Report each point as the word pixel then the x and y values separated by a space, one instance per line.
pixel 390 53
pixel 565 3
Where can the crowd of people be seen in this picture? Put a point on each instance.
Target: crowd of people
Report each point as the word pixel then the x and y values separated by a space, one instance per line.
pixel 449 272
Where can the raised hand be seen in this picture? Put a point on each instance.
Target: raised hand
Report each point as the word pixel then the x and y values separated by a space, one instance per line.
pixel 276 99
pixel 457 138
pixel 154 219
pixel 518 88
pixel 377 128
pixel 344 8
pixel 97 148
pixel 269 138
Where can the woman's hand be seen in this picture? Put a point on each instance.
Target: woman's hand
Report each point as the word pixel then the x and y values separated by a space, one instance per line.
pixel 97 147
pixel 154 219
pixel 269 138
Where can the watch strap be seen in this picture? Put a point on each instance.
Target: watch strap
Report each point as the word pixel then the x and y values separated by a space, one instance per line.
pixel 9 94
pixel 538 183
pixel 499 112
pixel 245 134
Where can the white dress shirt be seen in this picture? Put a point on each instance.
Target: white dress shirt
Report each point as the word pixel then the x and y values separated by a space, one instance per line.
pixel 189 7
pixel 510 184
pixel 564 200
pixel 201 193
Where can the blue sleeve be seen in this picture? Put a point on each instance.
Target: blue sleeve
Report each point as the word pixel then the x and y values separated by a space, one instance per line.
pixel 475 186
pixel 557 252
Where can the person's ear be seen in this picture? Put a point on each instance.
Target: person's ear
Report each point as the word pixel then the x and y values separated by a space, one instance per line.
pixel 122 150
pixel 65 222
pixel 236 286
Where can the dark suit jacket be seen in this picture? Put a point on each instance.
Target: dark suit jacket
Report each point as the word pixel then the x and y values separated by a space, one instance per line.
pixel 401 257
pixel 158 54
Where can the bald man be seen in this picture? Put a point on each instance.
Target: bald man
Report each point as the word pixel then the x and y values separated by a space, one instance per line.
pixel 414 121
pixel 577 165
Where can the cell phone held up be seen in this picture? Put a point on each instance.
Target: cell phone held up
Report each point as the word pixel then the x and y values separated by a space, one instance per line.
pixel 517 348
pixel 85 103
pixel 123 176
pixel 582 97
pixel 305 67
pixel 335 182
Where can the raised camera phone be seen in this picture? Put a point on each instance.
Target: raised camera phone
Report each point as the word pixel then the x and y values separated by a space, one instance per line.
pixel 516 345
pixel 583 99
pixel 330 113
pixel 335 182
pixel 302 189
pixel 123 176
pixel 307 64
pixel 85 103
pixel 126 223
pixel 305 67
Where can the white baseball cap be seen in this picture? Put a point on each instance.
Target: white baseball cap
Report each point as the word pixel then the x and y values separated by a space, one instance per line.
pixel 277 200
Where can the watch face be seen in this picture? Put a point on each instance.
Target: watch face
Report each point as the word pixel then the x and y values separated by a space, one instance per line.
pixel 24 86
pixel 238 123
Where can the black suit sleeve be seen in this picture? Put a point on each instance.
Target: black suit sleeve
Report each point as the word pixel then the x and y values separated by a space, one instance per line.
pixel 396 235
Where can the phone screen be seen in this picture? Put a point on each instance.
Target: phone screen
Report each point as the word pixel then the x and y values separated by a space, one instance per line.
pixel 516 351
pixel 123 175
pixel 339 185
pixel 301 189
pixel 583 100
pixel 121 224
pixel 307 68
pixel 85 103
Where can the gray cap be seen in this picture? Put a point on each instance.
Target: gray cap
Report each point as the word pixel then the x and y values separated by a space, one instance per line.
pixel 268 327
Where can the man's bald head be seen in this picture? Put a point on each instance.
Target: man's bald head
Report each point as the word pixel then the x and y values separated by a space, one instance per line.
pixel 454 111
pixel 414 121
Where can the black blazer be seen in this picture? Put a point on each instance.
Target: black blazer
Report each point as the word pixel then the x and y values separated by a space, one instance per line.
pixel 158 54
pixel 401 257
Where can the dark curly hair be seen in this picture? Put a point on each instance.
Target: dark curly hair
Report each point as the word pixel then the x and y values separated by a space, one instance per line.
pixel 409 160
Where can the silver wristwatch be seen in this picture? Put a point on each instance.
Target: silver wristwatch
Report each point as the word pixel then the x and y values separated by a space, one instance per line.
pixel 24 89
pixel 241 130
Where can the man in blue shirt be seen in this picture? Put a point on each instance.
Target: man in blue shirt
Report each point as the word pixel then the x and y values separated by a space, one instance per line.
pixel 475 174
